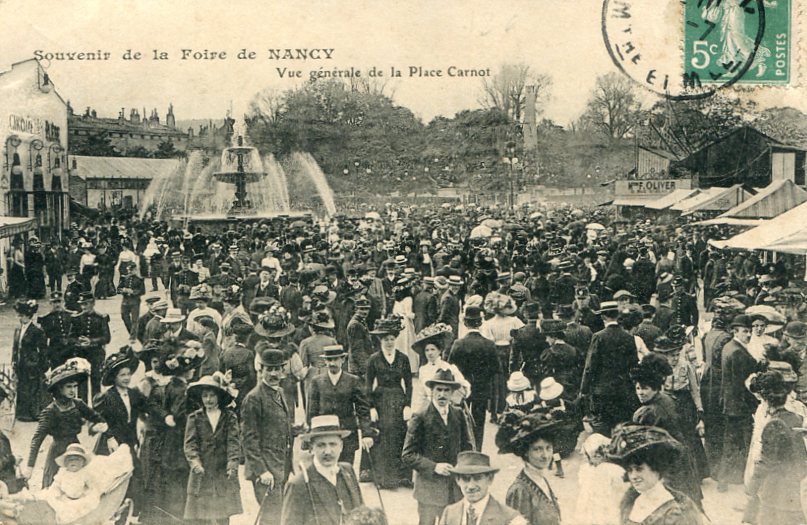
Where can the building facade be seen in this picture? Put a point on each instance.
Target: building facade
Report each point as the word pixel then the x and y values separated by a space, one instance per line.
pixel 33 129
pixel 128 136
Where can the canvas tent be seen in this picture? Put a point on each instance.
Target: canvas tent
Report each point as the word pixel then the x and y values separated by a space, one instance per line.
pixel 784 231
pixel 662 203
pixel 713 200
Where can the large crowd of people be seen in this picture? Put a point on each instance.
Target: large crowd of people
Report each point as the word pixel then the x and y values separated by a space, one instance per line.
pixel 396 335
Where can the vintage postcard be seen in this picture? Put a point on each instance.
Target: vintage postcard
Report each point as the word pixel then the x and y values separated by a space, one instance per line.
pixel 403 261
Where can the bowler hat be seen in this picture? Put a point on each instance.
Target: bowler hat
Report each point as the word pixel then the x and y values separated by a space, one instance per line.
pixel 472 313
pixel 272 357
pixel 741 320
pixel 796 330
pixel 532 310
pixel 471 463
pixel 552 326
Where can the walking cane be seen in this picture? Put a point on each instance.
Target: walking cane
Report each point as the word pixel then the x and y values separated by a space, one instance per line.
pixel 369 458
pixel 260 505
pixel 310 494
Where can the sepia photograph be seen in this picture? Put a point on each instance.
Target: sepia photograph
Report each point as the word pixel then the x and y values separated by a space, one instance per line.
pixel 403 262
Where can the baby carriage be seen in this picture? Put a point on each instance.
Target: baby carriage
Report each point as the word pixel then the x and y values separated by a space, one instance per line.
pixel 111 507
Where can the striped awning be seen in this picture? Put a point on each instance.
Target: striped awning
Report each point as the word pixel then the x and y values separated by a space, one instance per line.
pixel 11 226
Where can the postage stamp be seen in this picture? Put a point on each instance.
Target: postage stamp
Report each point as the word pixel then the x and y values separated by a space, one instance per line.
pixel 722 37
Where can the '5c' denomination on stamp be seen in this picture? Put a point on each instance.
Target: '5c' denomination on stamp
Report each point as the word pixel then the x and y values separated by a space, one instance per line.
pixel 690 49
pixel 722 36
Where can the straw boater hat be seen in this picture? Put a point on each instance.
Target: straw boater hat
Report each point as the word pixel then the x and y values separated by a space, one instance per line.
pixel 471 463
pixel 172 315
pixel 75 369
pixel 333 351
pixel 443 377
pixel 124 358
pixel 218 382
pixel 435 334
pixel 73 450
pixel 326 425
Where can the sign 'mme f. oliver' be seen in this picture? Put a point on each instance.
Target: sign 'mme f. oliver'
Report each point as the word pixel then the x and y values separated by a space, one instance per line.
pixel 651 187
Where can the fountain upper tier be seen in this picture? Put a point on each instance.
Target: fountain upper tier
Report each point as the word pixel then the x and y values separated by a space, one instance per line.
pixel 240 164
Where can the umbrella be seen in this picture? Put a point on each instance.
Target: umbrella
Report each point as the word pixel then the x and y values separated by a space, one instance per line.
pixel 445 205
pixel 768 312
pixel 595 226
pixel 510 226
pixel 298 224
pixel 372 215
pixel 536 215
pixel 577 213
pixel 481 231
pixel 492 223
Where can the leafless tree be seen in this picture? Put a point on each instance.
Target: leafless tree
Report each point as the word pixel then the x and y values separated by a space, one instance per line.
pixel 267 104
pixel 371 86
pixel 612 108
pixel 507 90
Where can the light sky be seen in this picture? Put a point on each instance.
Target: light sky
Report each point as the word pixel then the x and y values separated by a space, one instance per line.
pixel 562 39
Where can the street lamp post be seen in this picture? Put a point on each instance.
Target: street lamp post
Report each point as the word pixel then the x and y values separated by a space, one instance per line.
pixel 511 160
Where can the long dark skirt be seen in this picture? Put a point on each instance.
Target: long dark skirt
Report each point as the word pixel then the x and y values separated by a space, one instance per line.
pixel 36 283
pixel 57 448
pixel 17 284
pixel 685 407
pixel 150 457
pixel 389 469
pixel 31 396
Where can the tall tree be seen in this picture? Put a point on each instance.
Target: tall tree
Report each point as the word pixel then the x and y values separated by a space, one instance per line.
pixel 507 90
pixel 612 108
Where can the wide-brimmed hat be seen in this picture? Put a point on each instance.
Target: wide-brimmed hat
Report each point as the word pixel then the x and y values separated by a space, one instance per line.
pixel 443 377
pixel 260 305
pixel 75 368
pixel 518 430
pixel 27 307
pixel 629 438
pixel 181 359
pixel 124 358
pixel 173 315
pixel 501 304
pixel 550 389
pixel 435 334
pixel 274 323
pixel 663 345
pixel 73 450
pixel 322 319
pixel 389 326
pixel 201 292
pixel 218 382
pixel 784 368
pixel 325 425
pixel 471 463
pixel 518 382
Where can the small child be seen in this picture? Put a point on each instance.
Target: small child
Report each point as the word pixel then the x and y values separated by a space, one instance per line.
pixel 601 485
pixel 520 394
pixel 72 494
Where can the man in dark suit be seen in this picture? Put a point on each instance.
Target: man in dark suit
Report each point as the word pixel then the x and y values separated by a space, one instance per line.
pixel 449 302
pixel 72 292
pixel 131 286
pixel 424 305
pixel 528 344
pixel 474 475
pixel 606 383
pixel 359 343
pixel 739 404
pixel 476 358
pixel 265 287
pixel 56 325
pixel 89 335
pixel 29 359
pixel 434 438
pixel 342 394
pixel 266 434
pixel 327 490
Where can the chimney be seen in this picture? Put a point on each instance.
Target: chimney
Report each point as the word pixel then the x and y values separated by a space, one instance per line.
pixel 170 121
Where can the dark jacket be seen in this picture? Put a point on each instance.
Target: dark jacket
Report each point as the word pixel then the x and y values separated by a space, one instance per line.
pixel 476 358
pixel 309 494
pixel 56 325
pixel 611 355
pixel 346 399
pixel 450 311
pixel 495 514
pixel 428 442
pixel 212 494
pixel 122 427
pixel 738 364
pixel 424 305
pixel 530 500
pixel 359 346
pixel 266 434
pixel 528 344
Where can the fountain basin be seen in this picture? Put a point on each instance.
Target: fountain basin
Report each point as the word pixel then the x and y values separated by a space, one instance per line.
pixel 222 222
pixel 233 177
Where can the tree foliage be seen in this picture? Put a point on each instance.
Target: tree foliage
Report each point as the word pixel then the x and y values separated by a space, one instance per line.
pixel 612 108
pixel 507 90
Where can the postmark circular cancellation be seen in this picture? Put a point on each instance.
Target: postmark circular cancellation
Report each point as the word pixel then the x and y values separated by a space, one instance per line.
pixel 688 49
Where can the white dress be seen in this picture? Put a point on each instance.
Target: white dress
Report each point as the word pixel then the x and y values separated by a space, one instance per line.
pixel 407 336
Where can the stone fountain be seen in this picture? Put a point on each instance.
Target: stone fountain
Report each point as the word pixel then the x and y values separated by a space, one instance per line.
pixel 246 170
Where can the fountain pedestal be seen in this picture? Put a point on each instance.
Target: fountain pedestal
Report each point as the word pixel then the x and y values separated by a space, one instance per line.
pixel 243 174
